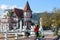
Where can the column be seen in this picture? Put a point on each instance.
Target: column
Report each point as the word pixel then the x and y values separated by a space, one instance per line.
pixel 17 24
pixel 20 25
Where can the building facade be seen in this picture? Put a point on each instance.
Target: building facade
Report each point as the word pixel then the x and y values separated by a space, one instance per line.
pixel 17 18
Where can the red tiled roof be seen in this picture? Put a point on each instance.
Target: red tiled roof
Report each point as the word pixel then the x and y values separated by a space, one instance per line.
pixel 27 7
pixel 19 12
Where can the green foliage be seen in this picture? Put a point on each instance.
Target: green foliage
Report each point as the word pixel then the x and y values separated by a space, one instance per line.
pixel 9 14
pixel 45 19
pixel 48 19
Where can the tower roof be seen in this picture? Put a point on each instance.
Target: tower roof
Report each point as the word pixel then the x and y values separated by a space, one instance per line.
pixel 27 7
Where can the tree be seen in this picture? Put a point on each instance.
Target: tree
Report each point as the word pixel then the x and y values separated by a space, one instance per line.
pixel 9 14
pixel 56 18
pixel 45 20
pixel 56 10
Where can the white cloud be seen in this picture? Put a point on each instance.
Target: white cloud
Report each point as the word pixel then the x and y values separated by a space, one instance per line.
pixel 3 7
pixel 12 7
pixel 21 8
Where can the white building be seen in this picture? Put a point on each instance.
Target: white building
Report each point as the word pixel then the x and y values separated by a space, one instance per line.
pixel 16 18
pixel 4 23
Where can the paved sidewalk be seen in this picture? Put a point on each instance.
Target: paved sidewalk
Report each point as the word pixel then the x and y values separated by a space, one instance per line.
pixel 30 38
pixel 47 37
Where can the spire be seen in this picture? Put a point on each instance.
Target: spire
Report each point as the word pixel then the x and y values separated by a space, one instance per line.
pixel 27 7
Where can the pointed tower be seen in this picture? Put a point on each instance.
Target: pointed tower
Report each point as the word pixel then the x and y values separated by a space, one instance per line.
pixel 27 7
pixel 27 14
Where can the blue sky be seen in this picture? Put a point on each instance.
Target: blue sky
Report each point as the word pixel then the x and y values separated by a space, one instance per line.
pixel 36 5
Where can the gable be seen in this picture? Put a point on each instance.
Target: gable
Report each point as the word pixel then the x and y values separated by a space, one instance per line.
pixel 18 12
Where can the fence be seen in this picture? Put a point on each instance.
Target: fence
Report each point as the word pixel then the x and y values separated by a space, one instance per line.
pixel 7 33
pixel 16 33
